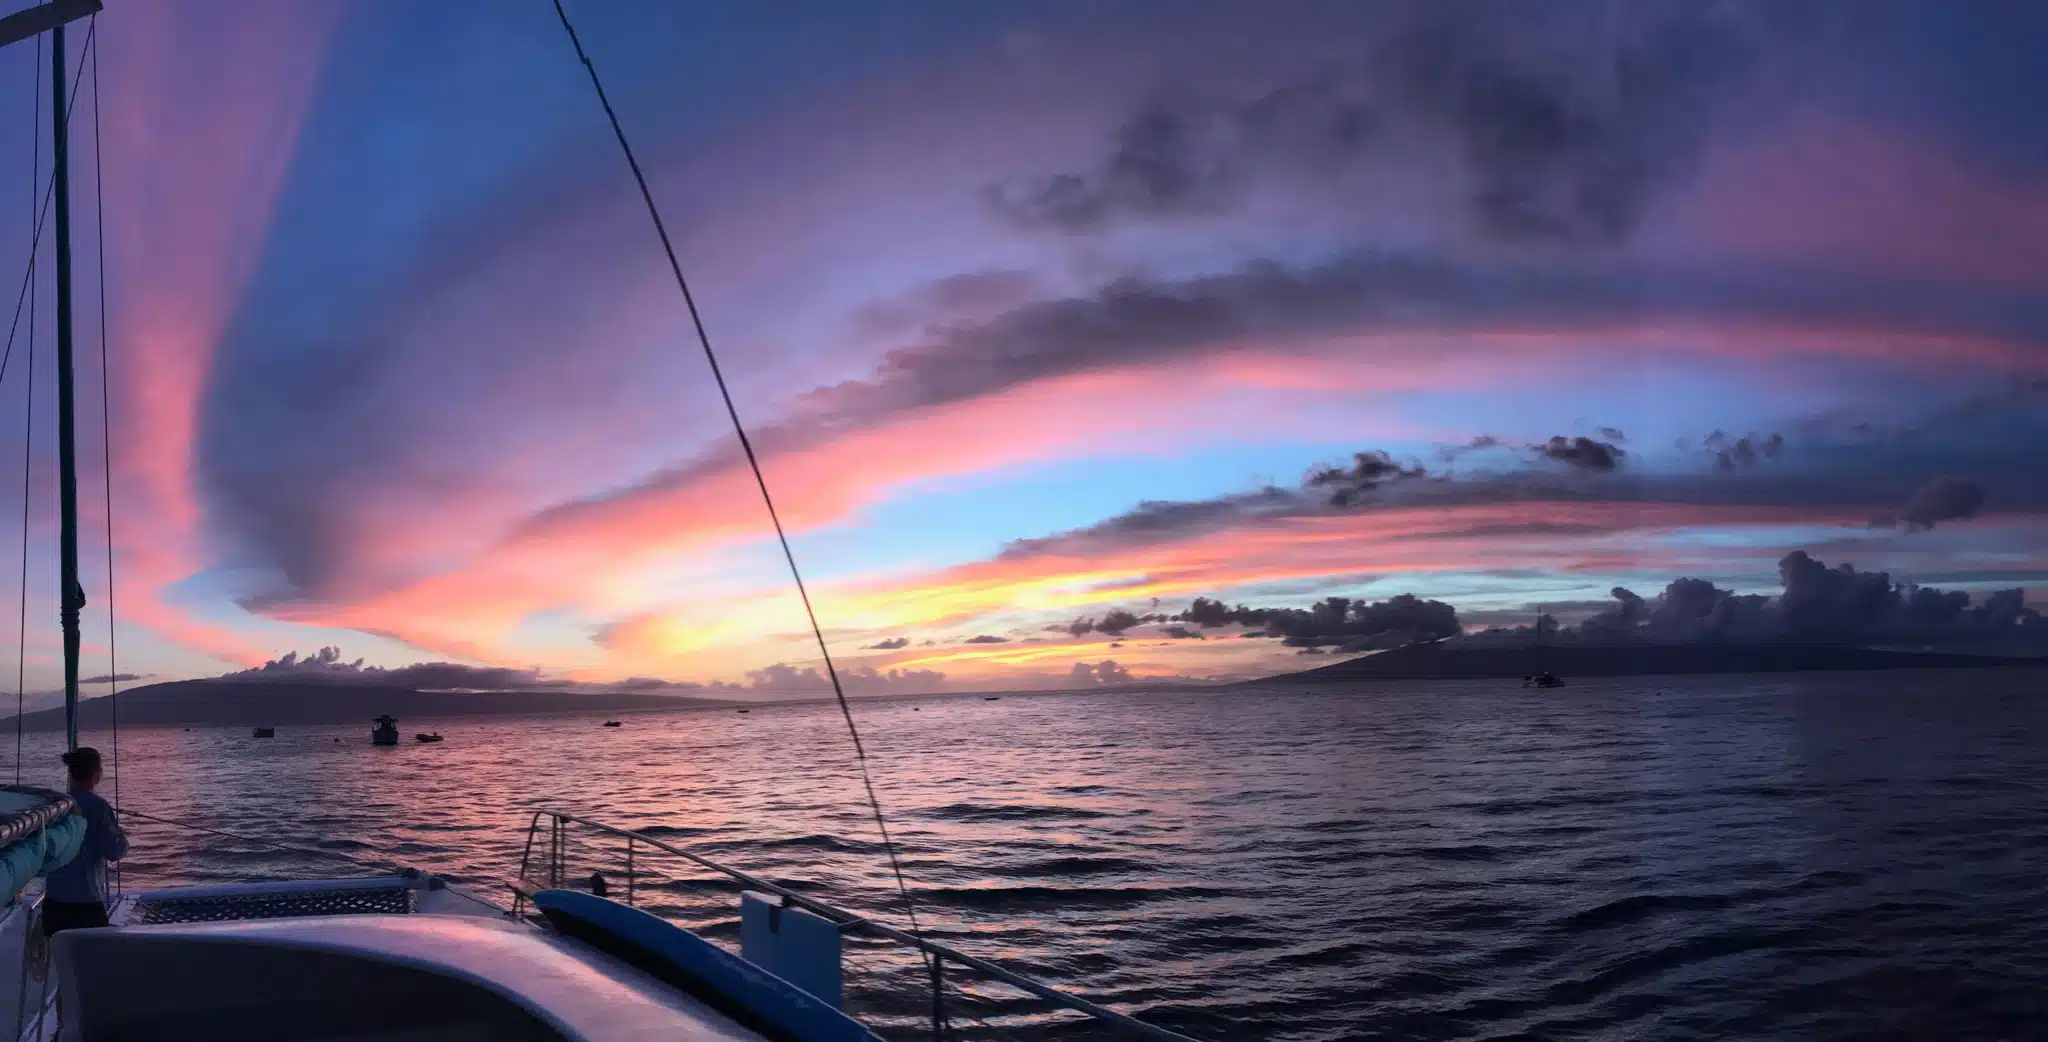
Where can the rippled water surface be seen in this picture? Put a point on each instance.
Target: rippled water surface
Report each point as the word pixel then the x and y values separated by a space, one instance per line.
pixel 1825 857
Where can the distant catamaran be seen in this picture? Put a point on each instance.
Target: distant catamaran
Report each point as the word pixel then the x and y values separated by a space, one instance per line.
pixel 404 953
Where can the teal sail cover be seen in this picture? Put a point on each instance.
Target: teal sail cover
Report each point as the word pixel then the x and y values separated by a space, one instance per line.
pixel 38 833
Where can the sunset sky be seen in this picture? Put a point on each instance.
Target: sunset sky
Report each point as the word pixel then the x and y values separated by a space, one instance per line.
pixel 1038 311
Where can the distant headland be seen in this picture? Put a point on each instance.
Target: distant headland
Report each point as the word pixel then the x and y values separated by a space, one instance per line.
pixel 1452 660
pixel 264 703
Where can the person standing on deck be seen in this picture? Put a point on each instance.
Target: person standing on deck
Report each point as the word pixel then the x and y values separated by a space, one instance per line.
pixel 76 896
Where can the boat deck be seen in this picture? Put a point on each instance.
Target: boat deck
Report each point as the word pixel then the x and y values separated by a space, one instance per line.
pixel 410 896
pixel 389 896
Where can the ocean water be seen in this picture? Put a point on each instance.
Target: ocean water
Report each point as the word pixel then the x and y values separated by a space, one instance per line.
pixel 1785 857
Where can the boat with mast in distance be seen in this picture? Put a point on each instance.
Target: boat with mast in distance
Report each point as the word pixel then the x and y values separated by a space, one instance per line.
pixel 1542 677
pixel 394 952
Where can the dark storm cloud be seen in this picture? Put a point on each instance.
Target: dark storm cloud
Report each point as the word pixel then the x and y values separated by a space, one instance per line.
pixel 891 644
pixel 1732 454
pixel 1448 454
pixel 1843 477
pixel 1372 478
pixel 1570 146
pixel 956 298
pixel 1113 624
pixel 1163 521
pixel 1561 128
pixel 1340 622
pixel 327 663
pixel 1368 472
pixel 1688 609
pixel 2019 400
pixel 1186 155
pixel 1582 453
pixel 2022 397
pixel 1136 321
pixel 1818 603
pixel 1946 498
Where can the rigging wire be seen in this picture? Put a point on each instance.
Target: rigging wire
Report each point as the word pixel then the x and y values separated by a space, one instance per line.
pixel 28 398
pixel 761 481
pixel 99 205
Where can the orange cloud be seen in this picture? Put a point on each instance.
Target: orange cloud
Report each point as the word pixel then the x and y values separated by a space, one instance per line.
pixel 1028 590
pixel 591 557
pixel 588 555
pixel 1406 540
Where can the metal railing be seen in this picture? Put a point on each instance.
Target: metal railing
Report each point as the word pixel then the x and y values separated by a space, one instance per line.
pixel 555 840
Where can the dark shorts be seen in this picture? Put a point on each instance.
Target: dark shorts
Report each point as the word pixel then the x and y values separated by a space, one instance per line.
pixel 59 916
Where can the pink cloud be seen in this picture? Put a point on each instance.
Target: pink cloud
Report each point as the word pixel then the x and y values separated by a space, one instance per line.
pixel 572 557
pixel 1028 590
pixel 1846 195
pixel 1394 540
pixel 584 554
pixel 202 111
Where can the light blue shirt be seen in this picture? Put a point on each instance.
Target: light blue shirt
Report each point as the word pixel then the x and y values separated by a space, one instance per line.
pixel 84 880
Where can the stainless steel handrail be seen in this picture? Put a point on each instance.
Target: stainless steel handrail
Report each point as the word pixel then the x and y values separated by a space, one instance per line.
pixel 846 921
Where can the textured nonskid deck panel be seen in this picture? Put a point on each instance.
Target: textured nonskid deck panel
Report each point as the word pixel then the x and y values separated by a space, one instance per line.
pixel 383 896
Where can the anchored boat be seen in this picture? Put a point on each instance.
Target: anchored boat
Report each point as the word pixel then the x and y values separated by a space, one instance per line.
pixel 1542 677
pixel 402 953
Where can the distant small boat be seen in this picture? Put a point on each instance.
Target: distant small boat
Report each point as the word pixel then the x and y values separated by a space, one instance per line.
pixel 991 698
pixel 264 732
pixel 426 737
pixel 613 723
pixel 1543 677
pixel 746 710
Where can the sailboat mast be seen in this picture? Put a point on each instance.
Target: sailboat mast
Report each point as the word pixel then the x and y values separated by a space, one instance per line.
pixel 72 594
